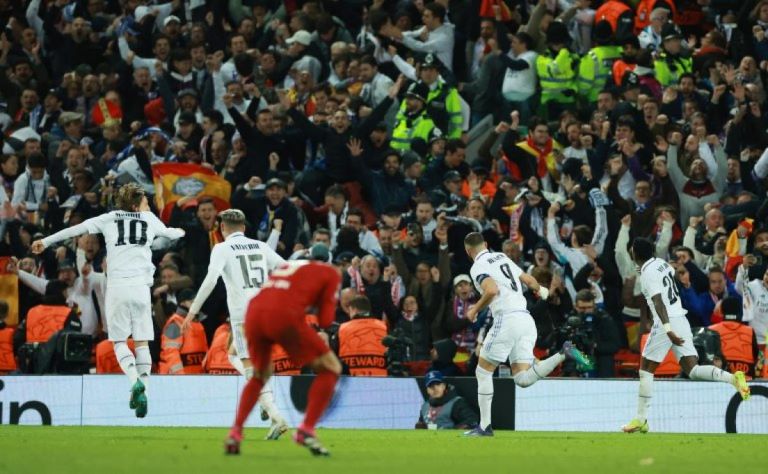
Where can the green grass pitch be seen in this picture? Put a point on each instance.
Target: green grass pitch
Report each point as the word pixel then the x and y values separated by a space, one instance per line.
pixel 108 450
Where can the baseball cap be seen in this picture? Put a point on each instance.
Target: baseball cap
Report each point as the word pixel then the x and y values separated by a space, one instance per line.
pixel 462 278
pixel 171 19
pixel 731 308
pixel 302 37
pixel 66 264
pixel 432 377
pixel 670 31
pixel 187 118
pixel 276 182
pixel 452 176
pixel 319 252
pixel 69 117
pixel 343 257
pixel 187 91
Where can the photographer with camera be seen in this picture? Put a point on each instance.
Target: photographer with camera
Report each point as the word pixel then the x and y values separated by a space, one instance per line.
pixel 593 332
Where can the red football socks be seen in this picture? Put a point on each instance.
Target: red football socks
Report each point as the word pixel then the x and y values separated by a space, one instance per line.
pixel 248 399
pixel 320 394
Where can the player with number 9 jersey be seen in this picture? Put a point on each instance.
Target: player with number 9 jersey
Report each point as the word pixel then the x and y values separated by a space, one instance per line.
pixel 506 274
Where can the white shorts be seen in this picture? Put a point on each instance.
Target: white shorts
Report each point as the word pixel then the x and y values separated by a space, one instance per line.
pixel 239 341
pixel 658 344
pixel 129 313
pixel 512 337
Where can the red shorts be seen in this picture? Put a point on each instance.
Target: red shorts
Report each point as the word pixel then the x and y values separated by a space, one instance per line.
pixel 266 327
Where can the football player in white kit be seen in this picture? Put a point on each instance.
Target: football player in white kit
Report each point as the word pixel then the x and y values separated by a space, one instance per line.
pixel 513 334
pixel 128 233
pixel 244 264
pixel 670 331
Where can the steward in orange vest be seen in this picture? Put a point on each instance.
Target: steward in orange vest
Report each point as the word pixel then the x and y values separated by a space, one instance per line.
pixel 359 341
pixel 45 319
pixel 182 352
pixel 620 16
pixel 217 359
pixel 106 361
pixel 281 362
pixel 737 340
pixel 7 354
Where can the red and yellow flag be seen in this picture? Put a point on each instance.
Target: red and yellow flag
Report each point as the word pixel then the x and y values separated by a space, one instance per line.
pixel 174 181
pixel 9 291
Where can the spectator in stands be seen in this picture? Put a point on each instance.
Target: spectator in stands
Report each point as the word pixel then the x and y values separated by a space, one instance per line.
pixel 444 409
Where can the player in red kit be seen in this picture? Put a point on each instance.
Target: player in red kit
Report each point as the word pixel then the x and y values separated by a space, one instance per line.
pixel 276 316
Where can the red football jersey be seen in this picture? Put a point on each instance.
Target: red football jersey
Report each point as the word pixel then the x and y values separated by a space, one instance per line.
pixel 295 286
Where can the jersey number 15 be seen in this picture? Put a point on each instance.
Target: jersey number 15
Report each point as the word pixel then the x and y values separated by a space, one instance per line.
pixel 249 267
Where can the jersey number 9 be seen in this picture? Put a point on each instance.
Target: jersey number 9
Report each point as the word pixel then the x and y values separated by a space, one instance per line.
pixel 508 273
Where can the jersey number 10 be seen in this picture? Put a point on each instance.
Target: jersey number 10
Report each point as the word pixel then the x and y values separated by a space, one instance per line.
pixel 137 232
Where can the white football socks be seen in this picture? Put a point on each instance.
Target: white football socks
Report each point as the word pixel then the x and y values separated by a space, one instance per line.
pixel 267 402
pixel 538 371
pixel 484 395
pixel 644 395
pixel 711 373
pixel 237 363
pixel 143 363
pixel 127 360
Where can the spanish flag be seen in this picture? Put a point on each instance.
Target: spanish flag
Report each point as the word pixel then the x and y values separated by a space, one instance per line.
pixel 176 180
pixel 9 291
pixel 486 10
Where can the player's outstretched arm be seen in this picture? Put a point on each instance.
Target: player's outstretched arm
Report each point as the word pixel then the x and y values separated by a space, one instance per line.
pixel 215 268
pixel 39 246
pixel 661 310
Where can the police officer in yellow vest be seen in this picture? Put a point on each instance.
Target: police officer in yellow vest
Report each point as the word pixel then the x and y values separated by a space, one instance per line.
pixel 443 103
pixel 556 69
pixel 414 121
pixel 595 68
pixel 672 61
pixel 359 343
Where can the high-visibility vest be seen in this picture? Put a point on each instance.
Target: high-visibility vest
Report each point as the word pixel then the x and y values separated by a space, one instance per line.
pixel 668 367
pixel 668 70
pixel 594 70
pixel 44 320
pixel 7 357
pixel 281 361
pixel 106 361
pixel 444 108
pixel 407 130
pixel 736 343
pixel 644 9
pixel 619 15
pixel 216 361
pixel 182 353
pixel 557 77
pixel 360 346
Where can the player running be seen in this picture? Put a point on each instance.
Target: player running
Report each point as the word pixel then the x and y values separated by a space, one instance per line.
pixel 128 233
pixel 276 316
pixel 670 330
pixel 513 333
pixel 244 265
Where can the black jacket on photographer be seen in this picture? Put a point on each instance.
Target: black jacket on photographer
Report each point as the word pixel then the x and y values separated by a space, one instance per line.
pixel 597 336
pixel 450 411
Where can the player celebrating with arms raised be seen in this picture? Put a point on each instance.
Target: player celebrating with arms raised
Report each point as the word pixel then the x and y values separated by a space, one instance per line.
pixel 244 265
pixel 670 330
pixel 128 233
pixel 276 316
pixel 513 334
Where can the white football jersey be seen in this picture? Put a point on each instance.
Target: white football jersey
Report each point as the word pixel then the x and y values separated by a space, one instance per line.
pixel 506 274
pixel 658 277
pixel 244 264
pixel 129 237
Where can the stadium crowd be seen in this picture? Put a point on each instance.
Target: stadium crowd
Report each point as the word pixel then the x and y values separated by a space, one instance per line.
pixel 364 125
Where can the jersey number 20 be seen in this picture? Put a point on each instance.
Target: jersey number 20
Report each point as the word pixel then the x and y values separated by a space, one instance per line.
pixel 137 232
pixel 247 265
pixel 508 273
pixel 672 291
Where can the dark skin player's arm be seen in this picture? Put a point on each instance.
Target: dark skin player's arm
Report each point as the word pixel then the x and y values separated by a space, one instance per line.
pixel 661 310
